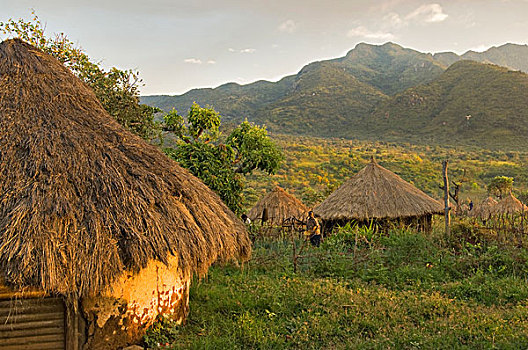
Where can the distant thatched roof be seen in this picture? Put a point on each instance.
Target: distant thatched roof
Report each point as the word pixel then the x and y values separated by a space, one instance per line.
pixel 509 205
pixel 82 199
pixel 280 205
pixel 378 193
pixel 484 209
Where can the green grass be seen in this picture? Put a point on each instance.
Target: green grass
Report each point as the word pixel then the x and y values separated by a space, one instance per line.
pixel 399 291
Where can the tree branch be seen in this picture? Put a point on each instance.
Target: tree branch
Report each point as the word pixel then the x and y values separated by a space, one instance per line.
pixel 200 132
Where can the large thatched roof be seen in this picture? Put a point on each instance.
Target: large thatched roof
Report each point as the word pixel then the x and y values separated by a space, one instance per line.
pixel 82 199
pixel 376 193
pixel 280 205
pixel 484 209
pixel 509 205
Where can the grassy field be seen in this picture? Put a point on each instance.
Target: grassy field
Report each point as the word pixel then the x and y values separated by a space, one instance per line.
pixel 364 290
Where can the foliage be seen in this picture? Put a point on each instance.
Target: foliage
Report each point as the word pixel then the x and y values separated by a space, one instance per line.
pixel 254 148
pixel 500 186
pixel 522 196
pixel 161 333
pixel 403 290
pixel 221 165
pixel 315 167
pixel 469 104
pixel 117 90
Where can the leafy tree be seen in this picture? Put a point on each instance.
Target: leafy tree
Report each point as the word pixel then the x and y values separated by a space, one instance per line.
pixel 117 90
pixel 221 166
pixel 500 185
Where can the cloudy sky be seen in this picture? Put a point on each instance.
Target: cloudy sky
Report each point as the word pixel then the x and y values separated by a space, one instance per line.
pixel 182 44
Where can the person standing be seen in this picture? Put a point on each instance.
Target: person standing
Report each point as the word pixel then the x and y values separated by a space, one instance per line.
pixel 245 219
pixel 313 229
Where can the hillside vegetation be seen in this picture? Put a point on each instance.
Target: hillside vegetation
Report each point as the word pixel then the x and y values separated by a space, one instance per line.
pixel 386 92
pixel 323 113
pixel 314 167
pixel 390 67
pixel 511 56
pixel 495 98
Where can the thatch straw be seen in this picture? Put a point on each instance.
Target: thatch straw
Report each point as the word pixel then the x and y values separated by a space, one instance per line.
pixel 82 199
pixel 484 209
pixel 376 193
pixel 509 205
pixel 280 205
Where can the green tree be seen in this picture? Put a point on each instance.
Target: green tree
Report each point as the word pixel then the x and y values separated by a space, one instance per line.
pixel 117 90
pixel 500 185
pixel 221 165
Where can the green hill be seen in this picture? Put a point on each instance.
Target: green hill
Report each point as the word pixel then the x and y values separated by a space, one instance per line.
pixel 509 55
pixel 325 100
pixel 232 100
pixel 389 68
pixel 386 92
pixel 495 98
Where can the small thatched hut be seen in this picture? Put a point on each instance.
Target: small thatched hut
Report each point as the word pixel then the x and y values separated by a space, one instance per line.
pixel 277 206
pixel 99 231
pixel 509 205
pixel 376 193
pixel 484 210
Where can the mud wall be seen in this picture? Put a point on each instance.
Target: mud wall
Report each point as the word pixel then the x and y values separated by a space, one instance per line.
pixel 120 316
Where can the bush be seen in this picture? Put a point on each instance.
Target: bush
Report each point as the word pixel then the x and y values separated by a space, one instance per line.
pixel 161 333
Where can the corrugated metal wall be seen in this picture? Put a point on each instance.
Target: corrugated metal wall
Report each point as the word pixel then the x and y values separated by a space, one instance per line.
pixel 32 323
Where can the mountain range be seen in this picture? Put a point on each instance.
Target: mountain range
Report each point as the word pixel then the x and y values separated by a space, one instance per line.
pixel 387 92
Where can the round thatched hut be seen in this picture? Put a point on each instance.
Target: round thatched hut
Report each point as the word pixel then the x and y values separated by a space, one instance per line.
pixel 277 206
pixel 484 209
pixel 509 205
pixel 101 226
pixel 376 193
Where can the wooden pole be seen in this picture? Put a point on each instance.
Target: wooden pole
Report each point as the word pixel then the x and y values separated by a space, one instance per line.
pixel 446 199
pixel 72 324
pixel 294 255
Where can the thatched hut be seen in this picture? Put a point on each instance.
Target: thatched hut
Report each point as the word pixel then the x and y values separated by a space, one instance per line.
pixel 509 205
pixel 100 226
pixel 484 209
pixel 378 194
pixel 277 206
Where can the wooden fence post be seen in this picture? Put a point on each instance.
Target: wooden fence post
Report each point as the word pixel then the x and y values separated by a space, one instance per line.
pixel 446 200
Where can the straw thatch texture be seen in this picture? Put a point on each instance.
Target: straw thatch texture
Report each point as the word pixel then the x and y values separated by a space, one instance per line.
pixel 509 205
pixel 280 206
pixel 82 199
pixel 484 209
pixel 376 193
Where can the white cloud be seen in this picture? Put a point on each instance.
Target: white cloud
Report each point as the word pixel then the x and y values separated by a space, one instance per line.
pixel 248 50
pixel 192 60
pixel 431 13
pixel 365 33
pixel 288 26
pixel 394 20
pixel 480 48
pixel 211 62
